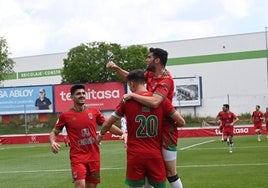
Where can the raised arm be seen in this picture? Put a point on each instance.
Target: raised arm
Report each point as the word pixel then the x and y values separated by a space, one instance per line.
pixel 121 72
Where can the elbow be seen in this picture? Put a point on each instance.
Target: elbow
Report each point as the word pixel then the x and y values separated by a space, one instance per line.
pixel 155 104
pixel 181 123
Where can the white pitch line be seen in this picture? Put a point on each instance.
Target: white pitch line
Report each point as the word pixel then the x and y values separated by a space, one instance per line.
pixel 121 168
pixel 223 165
pixel 52 170
pixel 197 144
pixel 33 171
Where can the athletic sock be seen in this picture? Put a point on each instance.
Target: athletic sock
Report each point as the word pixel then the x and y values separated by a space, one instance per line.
pixel 147 185
pixel 175 181
pixel 231 148
pixel 259 137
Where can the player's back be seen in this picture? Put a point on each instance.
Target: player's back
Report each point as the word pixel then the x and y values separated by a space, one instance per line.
pixel 144 127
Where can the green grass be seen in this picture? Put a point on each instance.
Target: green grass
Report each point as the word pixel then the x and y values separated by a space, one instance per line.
pixel 202 163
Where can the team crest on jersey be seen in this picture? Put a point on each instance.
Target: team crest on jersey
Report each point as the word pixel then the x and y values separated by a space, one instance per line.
pixel 145 109
pixel 90 115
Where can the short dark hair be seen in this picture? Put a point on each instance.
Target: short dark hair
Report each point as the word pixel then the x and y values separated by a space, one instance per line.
pixel 161 54
pixel 137 76
pixel 76 87
pixel 226 106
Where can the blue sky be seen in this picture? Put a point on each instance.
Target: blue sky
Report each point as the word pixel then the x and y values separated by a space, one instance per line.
pixel 35 27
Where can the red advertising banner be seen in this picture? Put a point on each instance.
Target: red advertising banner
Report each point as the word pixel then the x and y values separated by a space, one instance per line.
pixel 40 138
pixel 104 96
pixel 183 133
pixel 214 131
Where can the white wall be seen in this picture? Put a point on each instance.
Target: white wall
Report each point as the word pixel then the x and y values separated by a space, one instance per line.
pixel 40 62
pixel 213 45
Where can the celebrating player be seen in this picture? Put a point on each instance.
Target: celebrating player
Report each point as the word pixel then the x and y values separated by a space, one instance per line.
pixel 80 123
pixel 160 82
pixel 144 125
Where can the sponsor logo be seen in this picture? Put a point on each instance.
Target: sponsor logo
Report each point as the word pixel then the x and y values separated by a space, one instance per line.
pixel 93 94
pixel 236 131
pixel 241 130
pixel 16 93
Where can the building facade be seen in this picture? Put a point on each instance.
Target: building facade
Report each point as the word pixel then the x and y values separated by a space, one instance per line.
pixel 230 69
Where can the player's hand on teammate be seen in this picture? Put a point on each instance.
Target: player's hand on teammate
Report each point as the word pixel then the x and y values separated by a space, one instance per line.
pixel 127 97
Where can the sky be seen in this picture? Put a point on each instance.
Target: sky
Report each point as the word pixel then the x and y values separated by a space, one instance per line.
pixel 37 27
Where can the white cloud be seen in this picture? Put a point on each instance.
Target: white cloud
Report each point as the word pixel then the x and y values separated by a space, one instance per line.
pixel 238 8
pixel 34 27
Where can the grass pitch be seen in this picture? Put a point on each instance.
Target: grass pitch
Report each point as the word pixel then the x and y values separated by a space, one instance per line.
pixel 202 163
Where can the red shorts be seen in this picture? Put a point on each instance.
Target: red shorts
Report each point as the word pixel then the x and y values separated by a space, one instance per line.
pixel 152 168
pixel 170 136
pixel 258 126
pixel 90 171
pixel 228 131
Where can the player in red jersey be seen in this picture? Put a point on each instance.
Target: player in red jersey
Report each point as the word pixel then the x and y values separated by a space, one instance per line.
pixel 144 127
pixel 257 118
pixel 265 115
pixel 80 123
pixel 160 82
pixel 227 119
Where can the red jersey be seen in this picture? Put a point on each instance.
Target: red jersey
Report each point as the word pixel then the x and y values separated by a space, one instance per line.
pixel 144 127
pixel 81 129
pixel 266 117
pixel 164 86
pixel 257 118
pixel 227 118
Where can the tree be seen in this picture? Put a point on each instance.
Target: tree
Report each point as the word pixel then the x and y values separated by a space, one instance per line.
pixel 6 64
pixel 86 63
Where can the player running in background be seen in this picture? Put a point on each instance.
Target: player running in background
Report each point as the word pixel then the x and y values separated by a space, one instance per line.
pixel 160 82
pixel 144 125
pixel 65 137
pixel 265 115
pixel 257 119
pixel 227 119
pixel 80 123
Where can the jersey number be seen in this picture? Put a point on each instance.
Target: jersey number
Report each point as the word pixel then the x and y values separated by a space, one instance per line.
pixel 148 126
